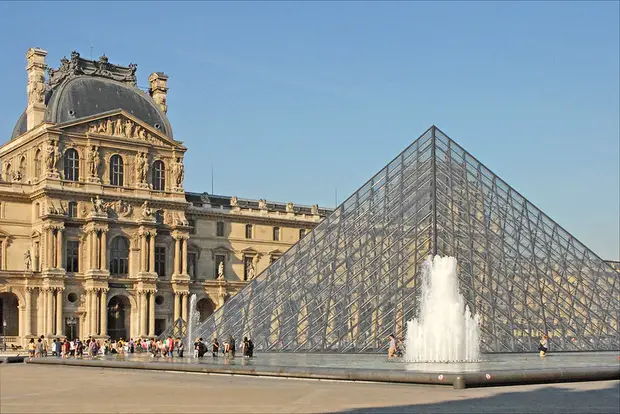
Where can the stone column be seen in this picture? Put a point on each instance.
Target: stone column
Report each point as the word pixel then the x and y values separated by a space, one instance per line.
pixel 59 319
pixel 177 311
pixel 142 313
pixel 49 247
pixel 103 258
pixel 92 246
pixel 177 254
pixel 59 249
pixel 143 253
pixel 28 318
pixel 152 314
pixel 184 257
pixel 103 313
pixel 184 307
pixel 177 306
pixel 97 248
pixel 152 252
pixel 93 312
pixel 49 328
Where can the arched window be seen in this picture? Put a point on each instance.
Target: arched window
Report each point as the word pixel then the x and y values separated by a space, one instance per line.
pixel 9 173
pixel 116 170
pixel 119 256
pixel 72 164
pixel 159 176
pixel 37 164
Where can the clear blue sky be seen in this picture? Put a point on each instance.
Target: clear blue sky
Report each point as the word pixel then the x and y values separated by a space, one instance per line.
pixel 288 100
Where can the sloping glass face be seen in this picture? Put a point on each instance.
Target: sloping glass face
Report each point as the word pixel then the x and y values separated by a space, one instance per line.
pixel 353 280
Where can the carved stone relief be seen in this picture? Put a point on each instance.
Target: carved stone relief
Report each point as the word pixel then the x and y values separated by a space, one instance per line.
pixel 120 126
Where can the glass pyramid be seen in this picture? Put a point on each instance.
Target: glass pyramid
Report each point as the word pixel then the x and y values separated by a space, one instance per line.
pixel 354 279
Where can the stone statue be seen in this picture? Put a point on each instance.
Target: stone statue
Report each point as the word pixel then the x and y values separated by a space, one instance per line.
pixel 250 274
pixel 16 175
pixel 109 127
pixel 123 208
pixel 52 156
pixel 93 161
pixel 128 128
pixel 262 204
pixel 36 90
pixel 289 207
pixel 146 210
pixel 98 205
pixel 220 271
pixel 141 165
pixel 136 131
pixel 179 172
pixel 101 126
pixel 315 209
pixel 27 259
pixel 234 201
pixel 118 128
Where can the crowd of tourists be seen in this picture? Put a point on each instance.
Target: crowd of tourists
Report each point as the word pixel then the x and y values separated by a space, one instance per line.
pixel 166 348
pixel 228 348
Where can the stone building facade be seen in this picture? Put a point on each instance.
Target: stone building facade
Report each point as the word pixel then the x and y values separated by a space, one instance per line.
pixel 97 234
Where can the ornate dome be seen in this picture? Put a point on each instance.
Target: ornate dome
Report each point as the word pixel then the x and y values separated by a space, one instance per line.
pixel 81 88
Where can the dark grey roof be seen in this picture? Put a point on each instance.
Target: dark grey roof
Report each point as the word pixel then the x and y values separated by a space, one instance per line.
pixel 81 88
pixel 84 96
pixel 20 126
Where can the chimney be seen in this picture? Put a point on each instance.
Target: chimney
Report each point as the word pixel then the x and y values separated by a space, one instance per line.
pixel 158 88
pixel 36 66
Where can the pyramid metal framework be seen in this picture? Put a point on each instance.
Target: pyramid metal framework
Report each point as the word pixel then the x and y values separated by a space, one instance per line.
pixel 355 278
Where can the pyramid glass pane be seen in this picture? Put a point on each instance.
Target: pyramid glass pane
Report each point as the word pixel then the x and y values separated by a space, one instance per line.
pixel 354 279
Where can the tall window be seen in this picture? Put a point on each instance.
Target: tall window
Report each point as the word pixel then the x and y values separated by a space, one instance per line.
pixel 72 164
pixel 276 233
pixel 37 164
pixel 159 176
pixel 302 233
pixel 73 256
pixel 119 256
pixel 72 209
pixel 160 261
pixel 116 170
pixel 220 229
pixel 248 231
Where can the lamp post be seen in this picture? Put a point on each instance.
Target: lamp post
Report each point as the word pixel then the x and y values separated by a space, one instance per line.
pixel 4 335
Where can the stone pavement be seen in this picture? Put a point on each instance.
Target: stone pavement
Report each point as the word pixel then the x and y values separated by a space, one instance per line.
pixel 63 389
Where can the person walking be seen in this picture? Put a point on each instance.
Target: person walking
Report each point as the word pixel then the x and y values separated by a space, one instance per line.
pixel 543 345
pixel 392 350
pixel 215 348
pixel 231 341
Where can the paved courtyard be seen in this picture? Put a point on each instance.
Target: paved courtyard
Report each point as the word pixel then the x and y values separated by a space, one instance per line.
pixel 39 388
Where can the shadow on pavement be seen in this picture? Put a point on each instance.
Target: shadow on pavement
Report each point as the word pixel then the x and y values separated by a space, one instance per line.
pixel 542 400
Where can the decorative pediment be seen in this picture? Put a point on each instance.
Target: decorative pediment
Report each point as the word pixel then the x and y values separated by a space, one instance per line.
pixel 275 252
pixel 249 251
pixel 221 250
pixel 120 124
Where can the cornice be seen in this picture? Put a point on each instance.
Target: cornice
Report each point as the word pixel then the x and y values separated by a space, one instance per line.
pixel 248 219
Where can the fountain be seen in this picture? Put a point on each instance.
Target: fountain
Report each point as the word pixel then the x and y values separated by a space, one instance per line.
pixel 445 330
pixel 191 323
